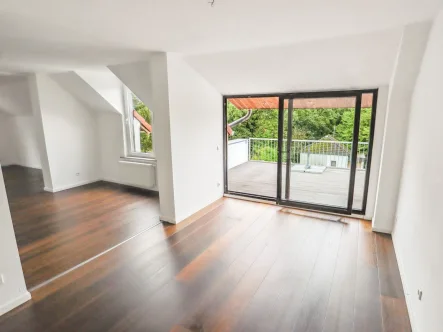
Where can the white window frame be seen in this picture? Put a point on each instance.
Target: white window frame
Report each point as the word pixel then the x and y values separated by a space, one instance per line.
pixel 128 125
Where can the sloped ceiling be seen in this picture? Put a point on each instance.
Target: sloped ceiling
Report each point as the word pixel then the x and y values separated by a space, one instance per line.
pixel 355 61
pixel 99 90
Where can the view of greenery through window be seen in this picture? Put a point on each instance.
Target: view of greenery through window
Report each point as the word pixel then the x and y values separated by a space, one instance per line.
pixel 143 110
pixel 308 124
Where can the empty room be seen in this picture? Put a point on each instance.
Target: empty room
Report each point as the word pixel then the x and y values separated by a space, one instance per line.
pixel 220 166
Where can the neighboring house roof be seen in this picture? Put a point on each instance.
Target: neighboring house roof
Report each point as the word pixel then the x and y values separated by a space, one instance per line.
pixel 146 127
pixel 229 130
pixel 327 145
pixel 257 103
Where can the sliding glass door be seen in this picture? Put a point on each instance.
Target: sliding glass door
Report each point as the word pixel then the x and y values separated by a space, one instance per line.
pixel 251 136
pixel 323 154
pixel 308 150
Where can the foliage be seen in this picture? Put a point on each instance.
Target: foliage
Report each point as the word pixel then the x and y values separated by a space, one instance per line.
pixel 344 130
pixel 312 124
pixel 307 124
pixel 264 152
pixel 144 111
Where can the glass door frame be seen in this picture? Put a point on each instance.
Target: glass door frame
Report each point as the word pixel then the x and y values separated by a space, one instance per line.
pixel 225 146
pixel 303 95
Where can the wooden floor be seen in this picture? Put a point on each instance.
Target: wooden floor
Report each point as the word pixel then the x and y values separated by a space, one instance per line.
pixel 56 232
pixel 244 266
pixel 328 188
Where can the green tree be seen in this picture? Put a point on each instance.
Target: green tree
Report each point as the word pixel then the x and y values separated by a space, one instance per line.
pixel 345 130
pixel 312 124
pixel 316 123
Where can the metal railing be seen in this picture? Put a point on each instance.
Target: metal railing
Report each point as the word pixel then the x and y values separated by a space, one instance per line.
pixel 309 152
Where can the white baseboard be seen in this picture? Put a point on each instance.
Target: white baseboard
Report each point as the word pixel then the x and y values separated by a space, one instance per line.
pixel 15 303
pixel 21 165
pixel 168 220
pixel 153 188
pixel 381 230
pixel 78 184
pixel 33 166
pixel 3 164
pixel 54 190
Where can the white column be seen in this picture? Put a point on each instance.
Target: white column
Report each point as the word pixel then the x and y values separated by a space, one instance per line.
pixel 401 88
pixel 149 82
pixel 187 132
pixel 12 283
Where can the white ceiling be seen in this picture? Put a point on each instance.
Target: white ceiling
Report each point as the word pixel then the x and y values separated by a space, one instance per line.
pixel 48 35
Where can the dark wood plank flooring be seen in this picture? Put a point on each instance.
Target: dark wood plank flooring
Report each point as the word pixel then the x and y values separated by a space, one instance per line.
pixel 56 232
pixel 243 266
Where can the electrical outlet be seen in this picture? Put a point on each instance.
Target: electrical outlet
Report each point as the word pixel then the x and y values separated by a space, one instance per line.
pixel 420 294
pixel 2 279
pixel 77 174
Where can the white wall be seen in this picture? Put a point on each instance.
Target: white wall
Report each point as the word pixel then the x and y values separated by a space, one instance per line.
pixel 14 95
pixel 111 146
pixel 113 167
pixel 418 231
pixel 70 136
pixel 7 149
pixel 13 292
pixel 21 142
pixel 401 87
pixel 18 141
pixel 238 152
pixel 17 128
pixel 25 141
pixel 197 138
pixel 40 134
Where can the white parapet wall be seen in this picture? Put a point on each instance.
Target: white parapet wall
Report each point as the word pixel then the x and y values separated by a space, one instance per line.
pixel 238 152
pixel 327 160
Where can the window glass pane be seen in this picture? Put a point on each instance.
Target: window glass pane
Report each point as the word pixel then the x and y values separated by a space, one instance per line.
pixel 141 131
pixel 318 139
pixel 252 131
